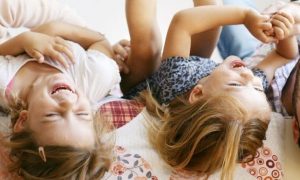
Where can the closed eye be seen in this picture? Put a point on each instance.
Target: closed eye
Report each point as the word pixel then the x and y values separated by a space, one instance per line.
pixel 259 89
pixel 237 84
pixel 51 114
pixel 234 84
pixel 82 114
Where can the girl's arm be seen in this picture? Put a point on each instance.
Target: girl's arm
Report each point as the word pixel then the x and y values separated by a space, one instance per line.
pixel 188 22
pixel 47 40
pixel 210 37
pixel 286 48
pixel 145 39
pixel 283 25
pixel 37 45
pixel 87 38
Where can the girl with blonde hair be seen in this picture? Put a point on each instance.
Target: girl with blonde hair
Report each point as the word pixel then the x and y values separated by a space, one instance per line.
pixel 53 91
pixel 211 116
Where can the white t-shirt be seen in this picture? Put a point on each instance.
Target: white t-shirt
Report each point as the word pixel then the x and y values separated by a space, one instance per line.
pixel 95 73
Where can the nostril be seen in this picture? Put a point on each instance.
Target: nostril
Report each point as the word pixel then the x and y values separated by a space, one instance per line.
pixel 247 75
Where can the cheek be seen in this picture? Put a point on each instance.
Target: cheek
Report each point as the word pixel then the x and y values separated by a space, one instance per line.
pixel 211 86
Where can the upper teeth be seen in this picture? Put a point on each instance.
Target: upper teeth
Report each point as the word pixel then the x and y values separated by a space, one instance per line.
pixel 62 89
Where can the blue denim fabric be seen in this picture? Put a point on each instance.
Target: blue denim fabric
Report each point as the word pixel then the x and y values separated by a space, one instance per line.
pixel 236 39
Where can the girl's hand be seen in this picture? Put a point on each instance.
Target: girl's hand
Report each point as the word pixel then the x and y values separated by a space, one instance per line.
pixel 257 25
pixel 283 25
pixel 38 45
pixel 121 54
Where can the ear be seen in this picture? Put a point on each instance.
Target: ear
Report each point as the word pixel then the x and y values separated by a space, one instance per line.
pixel 21 122
pixel 295 130
pixel 196 94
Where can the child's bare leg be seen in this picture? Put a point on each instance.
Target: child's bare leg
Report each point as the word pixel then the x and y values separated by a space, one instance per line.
pixel 145 41
pixel 203 44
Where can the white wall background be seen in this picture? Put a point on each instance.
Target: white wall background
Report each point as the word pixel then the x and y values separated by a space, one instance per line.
pixel 108 16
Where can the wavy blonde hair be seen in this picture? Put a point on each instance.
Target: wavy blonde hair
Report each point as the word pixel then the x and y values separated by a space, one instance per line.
pixel 206 136
pixel 62 162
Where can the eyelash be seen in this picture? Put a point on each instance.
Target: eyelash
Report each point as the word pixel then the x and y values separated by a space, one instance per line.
pixel 236 84
pixel 82 114
pixel 51 115
pixel 260 90
pixel 79 114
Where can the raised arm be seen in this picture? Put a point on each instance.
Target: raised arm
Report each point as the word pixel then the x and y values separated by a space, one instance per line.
pixel 188 22
pixel 145 41
pixel 287 47
pixel 210 37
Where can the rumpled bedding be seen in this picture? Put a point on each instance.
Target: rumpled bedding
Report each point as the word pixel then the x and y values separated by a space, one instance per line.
pixel 29 13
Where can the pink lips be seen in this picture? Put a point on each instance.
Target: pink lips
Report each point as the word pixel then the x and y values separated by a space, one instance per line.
pixel 237 64
pixel 60 86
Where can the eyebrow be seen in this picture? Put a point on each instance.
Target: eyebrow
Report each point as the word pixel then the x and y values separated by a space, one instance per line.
pixel 228 87
pixel 49 121
pixel 58 120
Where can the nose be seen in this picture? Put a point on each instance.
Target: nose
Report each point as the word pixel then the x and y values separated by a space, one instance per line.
pixel 68 103
pixel 247 75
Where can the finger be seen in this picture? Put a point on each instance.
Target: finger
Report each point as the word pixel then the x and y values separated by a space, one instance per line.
pixel 288 16
pixel 57 56
pixel 125 42
pixel 264 38
pixel 280 25
pixel 279 33
pixel 36 55
pixel 65 50
pixel 128 50
pixel 265 18
pixel 122 66
pixel 269 33
pixel 266 26
pixel 119 57
pixel 120 50
pixel 60 40
pixel 282 19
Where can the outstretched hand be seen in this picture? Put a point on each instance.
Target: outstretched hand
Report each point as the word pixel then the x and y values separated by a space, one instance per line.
pixel 39 45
